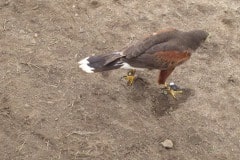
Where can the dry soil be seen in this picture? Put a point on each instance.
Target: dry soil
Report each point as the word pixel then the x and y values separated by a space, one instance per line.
pixel 50 109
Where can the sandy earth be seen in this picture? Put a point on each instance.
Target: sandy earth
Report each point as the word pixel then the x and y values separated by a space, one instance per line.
pixel 50 109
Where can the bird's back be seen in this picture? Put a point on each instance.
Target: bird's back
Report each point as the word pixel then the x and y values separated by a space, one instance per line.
pixel 171 40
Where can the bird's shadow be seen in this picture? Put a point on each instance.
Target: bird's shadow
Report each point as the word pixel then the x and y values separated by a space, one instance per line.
pixel 161 104
pixel 164 104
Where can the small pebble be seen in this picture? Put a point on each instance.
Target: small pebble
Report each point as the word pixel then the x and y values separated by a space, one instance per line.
pixel 22 31
pixel 33 41
pixel 27 105
pixel 94 3
pixel 168 144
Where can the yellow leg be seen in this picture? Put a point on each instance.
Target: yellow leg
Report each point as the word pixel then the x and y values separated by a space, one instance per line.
pixel 172 89
pixel 130 77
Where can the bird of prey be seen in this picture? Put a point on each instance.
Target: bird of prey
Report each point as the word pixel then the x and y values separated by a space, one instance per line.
pixel 163 50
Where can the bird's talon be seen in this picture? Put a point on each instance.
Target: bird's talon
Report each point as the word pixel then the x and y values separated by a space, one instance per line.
pixel 171 89
pixel 130 77
pixel 164 92
pixel 130 80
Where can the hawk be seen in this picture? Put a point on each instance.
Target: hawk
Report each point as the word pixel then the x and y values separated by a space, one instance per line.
pixel 164 50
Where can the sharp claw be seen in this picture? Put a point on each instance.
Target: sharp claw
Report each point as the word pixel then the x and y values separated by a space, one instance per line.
pixel 125 77
pixel 130 80
pixel 172 89
pixel 130 77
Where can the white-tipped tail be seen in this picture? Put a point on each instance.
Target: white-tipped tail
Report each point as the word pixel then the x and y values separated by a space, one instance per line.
pixel 83 64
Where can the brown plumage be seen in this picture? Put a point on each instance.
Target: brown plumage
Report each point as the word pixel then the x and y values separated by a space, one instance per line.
pixel 164 51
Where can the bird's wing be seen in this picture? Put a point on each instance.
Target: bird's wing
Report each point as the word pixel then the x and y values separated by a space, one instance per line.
pixel 159 60
pixel 112 57
pixel 156 41
pixel 160 51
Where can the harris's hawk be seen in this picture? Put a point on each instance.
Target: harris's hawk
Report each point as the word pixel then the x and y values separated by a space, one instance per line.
pixel 163 50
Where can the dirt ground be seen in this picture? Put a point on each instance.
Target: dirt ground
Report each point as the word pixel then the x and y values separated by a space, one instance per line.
pixel 50 109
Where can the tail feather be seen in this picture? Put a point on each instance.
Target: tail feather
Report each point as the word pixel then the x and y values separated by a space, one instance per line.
pixel 101 63
pixel 84 65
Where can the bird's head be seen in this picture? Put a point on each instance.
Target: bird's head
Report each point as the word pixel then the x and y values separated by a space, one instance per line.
pixel 197 37
pixel 200 35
